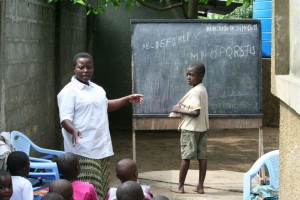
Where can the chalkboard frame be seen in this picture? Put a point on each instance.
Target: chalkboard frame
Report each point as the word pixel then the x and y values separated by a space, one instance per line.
pixel 259 56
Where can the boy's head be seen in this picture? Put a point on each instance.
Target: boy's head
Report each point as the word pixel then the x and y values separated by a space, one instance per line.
pixel 18 163
pixel 68 166
pixel 6 188
pixel 62 187
pixel 160 197
pixel 126 170
pixel 195 73
pixel 130 190
pixel 52 196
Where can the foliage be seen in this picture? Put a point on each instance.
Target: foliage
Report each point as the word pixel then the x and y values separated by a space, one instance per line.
pixel 243 12
pixel 98 6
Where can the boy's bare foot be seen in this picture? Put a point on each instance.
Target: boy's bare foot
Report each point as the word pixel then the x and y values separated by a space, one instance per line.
pixel 177 190
pixel 199 190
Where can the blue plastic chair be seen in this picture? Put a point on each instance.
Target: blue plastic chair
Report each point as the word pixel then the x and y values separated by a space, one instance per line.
pixel 271 161
pixel 21 142
pixel 43 167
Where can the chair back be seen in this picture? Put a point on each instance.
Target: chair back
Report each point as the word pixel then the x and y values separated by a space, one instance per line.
pixel 271 161
pixel 272 164
pixel 21 142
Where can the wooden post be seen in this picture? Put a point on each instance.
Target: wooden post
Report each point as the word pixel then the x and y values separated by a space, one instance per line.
pixel 133 146
pixel 260 153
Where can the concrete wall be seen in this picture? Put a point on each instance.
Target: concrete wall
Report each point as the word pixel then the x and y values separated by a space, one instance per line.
pixel 31 47
pixel 285 81
pixel 270 103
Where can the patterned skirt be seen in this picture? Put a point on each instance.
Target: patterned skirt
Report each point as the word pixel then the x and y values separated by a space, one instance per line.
pixel 96 172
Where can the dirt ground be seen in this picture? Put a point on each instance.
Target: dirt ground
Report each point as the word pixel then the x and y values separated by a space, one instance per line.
pixel 232 150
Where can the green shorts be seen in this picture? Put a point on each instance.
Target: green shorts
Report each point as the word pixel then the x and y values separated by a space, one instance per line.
pixel 193 145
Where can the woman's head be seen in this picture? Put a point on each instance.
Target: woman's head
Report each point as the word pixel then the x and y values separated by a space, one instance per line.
pixel 83 66
pixel 18 163
pixel 6 189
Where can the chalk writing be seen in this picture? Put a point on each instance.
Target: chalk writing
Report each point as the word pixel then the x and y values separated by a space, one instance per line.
pixel 231 28
pixel 229 52
pixel 167 42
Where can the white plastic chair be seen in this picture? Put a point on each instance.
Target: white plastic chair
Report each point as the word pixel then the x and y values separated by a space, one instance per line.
pixel 271 161
pixel 44 167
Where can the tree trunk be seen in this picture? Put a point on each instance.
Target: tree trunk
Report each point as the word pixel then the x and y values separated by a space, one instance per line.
pixel 193 9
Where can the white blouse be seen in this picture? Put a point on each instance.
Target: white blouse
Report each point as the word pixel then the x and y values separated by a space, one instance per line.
pixel 86 106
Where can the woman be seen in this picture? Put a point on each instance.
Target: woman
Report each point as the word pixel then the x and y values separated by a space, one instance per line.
pixel 83 108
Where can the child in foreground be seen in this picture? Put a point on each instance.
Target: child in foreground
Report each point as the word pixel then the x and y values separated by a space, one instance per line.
pixel 52 196
pixel 18 166
pixel 62 187
pixel 6 189
pixel 193 107
pixel 69 168
pixel 130 190
pixel 126 170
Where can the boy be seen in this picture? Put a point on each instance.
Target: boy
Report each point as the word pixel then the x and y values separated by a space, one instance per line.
pixel 130 190
pixel 126 170
pixel 193 108
pixel 18 166
pixel 6 189
pixel 52 196
pixel 62 187
pixel 68 166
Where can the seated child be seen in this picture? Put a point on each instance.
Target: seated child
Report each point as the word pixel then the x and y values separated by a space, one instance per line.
pixel 160 197
pixel 126 170
pixel 69 168
pixel 130 190
pixel 62 187
pixel 52 196
pixel 6 189
pixel 18 166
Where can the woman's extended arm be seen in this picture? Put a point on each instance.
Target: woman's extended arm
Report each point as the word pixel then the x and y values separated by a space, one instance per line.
pixel 116 104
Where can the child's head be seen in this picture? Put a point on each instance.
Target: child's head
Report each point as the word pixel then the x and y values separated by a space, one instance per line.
pixel 52 196
pixel 18 163
pixel 130 190
pixel 62 187
pixel 68 166
pixel 160 197
pixel 195 73
pixel 126 170
pixel 6 189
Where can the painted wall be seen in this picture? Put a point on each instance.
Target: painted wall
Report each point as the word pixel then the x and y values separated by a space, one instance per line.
pixel 285 85
pixel 112 54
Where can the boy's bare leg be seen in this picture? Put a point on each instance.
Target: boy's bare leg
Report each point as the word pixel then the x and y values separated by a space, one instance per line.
pixel 202 173
pixel 184 167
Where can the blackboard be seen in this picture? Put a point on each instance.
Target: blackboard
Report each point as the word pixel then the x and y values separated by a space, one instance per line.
pixel 229 49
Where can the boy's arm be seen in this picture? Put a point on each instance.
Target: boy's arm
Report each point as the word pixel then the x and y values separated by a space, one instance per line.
pixel 193 113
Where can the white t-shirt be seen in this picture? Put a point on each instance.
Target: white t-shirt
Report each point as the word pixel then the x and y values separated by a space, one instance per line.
pixel 195 99
pixel 22 188
pixel 112 193
pixel 86 106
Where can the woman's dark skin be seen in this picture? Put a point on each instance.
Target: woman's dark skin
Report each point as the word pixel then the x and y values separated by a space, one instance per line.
pixel 83 72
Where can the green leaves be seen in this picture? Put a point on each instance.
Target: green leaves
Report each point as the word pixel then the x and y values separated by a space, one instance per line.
pixel 98 6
